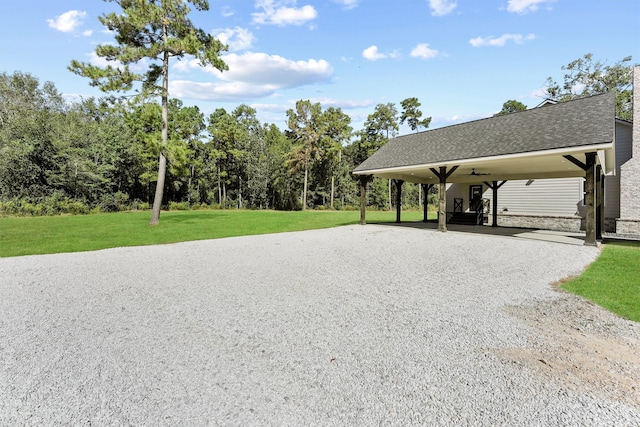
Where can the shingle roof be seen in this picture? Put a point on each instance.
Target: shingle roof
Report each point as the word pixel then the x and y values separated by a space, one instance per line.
pixel 582 122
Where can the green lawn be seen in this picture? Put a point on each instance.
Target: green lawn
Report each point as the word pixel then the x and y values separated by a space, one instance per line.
pixel 613 280
pixel 54 234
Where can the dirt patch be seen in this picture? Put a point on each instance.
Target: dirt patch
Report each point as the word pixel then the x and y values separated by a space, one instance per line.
pixel 581 347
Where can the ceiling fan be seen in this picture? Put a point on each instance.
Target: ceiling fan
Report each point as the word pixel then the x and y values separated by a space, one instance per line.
pixel 474 173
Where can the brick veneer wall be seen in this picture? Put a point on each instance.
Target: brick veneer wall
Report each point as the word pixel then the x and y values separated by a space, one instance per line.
pixel 629 221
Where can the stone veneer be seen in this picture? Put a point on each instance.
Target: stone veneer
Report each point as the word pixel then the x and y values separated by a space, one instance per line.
pixel 556 223
pixel 629 222
pixel 573 224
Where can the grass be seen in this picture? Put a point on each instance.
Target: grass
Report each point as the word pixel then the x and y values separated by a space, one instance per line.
pixel 55 234
pixel 613 280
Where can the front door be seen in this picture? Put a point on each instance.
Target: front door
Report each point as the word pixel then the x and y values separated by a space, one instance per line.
pixel 475 197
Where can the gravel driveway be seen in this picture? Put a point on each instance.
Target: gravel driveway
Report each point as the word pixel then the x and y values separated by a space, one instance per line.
pixel 372 325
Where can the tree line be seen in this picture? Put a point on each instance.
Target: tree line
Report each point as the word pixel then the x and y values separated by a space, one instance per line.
pixel 102 154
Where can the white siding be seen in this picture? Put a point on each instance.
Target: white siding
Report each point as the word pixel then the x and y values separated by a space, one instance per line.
pixel 549 197
pixel 552 197
pixel 461 191
pixel 457 191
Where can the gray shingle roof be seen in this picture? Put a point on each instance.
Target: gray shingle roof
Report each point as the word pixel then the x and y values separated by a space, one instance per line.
pixel 582 122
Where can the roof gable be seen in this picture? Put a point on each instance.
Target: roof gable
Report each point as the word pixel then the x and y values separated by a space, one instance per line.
pixel 582 122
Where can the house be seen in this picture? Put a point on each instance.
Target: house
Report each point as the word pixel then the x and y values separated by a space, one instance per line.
pixel 565 166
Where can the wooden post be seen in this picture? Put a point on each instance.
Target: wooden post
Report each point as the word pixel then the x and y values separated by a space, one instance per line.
pixel 590 217
pixel 399 183
pixel 425 188
pixel 494 186
pixel 442 209
pixel 494 213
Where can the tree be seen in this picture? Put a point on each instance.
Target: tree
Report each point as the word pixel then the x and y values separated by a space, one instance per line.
pixel 378 127
pixel 82 170
pixel 253 168
pixel 411 114
pixel 511 106
pixel 185 127
pixel 383 121
pixel 153 30
pixel 586 77
pixel 113 155
pixel 282 193
pixel 229 136
pixel 27 152
pixel 305 127
pixel 337 132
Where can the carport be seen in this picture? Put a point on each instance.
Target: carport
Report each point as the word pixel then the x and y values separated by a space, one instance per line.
pixel 569 139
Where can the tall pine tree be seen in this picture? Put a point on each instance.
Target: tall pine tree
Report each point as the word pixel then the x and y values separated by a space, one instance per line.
pixel 151 32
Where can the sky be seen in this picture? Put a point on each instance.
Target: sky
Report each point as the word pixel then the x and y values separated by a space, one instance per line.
pixel 462 59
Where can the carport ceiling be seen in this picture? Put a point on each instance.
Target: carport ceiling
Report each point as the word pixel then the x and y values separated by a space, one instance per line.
pixel 522 166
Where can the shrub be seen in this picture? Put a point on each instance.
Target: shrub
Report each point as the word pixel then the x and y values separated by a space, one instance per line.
pixel 179 206
pixel 139 205
pixel 75 207
pixel 51 205
pixel 114 202
pixel 18 207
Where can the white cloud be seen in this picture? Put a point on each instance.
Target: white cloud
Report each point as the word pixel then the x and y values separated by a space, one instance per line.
pixel 502 40
pixel 139 67
pixel 371 53
pixel 442 7
pixel 218 91
pixel 99 61
pixel 237 38
pixel 525 6
pixel 251 75
pixel 87 33
pixel 271 108
pixel 540 92
pixel 68 21
pixel 277 12
pixel 423 51
pixel 347 4
pixel 227 11
pixel 262 68
pixel 343 103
